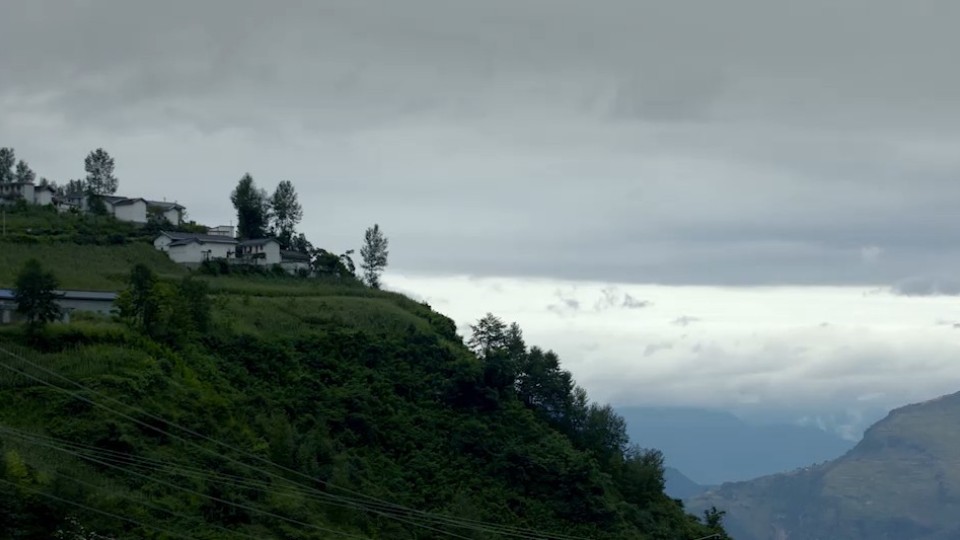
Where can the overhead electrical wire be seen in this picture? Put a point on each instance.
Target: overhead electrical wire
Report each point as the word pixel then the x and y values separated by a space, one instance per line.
pixel 362 501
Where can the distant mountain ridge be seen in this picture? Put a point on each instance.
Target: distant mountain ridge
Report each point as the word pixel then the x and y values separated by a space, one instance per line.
pixel 712 447
pixel 678 486
pixel 901 482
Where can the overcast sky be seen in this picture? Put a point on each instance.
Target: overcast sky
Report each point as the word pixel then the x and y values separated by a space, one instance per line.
pixel 742 142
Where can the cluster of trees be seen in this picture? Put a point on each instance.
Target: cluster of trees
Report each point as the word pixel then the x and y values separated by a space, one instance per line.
pixel 260 214
pixel 99 180
pixel 167 312
pixel 277 215
pixel 35 293
pixel 12 170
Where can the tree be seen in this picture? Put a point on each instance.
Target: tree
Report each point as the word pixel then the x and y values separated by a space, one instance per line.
pixel 7 160
pixel 287 213
pixel 488 336
pixel 36 296
pixel 73 188
pixel 374 253
pixel 136 302
pixel 24 172
pixel 300 244
pixel 100 178
pixel 253 208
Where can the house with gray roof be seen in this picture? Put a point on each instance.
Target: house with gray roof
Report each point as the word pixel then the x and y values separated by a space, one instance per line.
pixel 193 248
pixel 69 301
pixel 41 194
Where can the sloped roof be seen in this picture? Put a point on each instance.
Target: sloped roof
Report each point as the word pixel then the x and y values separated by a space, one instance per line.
pixel 259 242
pixel 166 205
pixel 126 202
pixel 185 238
pixel 7 294
pixel 286 255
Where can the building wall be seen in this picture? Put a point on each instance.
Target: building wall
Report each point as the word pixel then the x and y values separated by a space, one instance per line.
pixel 293 266
pixel 96 306
pixel 222 230
pixel 272 249
pixel 162 242
pixel 9 315
pixel 43 197
pixel 196 253
pixel 17 190
pixel 135 212
pixel 173 216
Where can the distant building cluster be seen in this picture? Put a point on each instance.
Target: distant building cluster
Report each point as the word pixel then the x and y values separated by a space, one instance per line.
pixel 219 243
pixel 190 249
pixel 129 209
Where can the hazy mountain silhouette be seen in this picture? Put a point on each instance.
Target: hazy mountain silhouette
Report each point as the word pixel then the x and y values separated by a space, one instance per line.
pixel 713 447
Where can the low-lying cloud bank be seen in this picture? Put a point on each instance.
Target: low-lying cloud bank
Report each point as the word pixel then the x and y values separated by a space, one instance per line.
pixel 829 356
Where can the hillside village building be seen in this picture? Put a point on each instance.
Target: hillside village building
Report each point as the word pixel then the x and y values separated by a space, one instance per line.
pixel 192 249
pixel 131 209
pixel 69 302
pixel 28 191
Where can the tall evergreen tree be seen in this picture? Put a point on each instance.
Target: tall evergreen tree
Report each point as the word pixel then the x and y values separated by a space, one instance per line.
pixel 7 160
pixel 36 296
pixel 287 213
pixel 253 208
pixel 100 178
pixel 24 172
pixel 374 254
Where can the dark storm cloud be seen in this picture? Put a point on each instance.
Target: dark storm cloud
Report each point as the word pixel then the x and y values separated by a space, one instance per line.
pixel 742 142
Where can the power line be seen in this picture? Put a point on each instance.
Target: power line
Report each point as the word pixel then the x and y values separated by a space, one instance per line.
pixel 367 502
pixel 95 510
pixel 204 495
pixel 146 504
pixel 119 458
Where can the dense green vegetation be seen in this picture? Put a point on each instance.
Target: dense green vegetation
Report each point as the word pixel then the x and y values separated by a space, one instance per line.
pixel 367 393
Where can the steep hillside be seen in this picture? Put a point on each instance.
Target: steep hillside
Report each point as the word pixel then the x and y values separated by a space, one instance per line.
pixel 312 409
pixel 901 482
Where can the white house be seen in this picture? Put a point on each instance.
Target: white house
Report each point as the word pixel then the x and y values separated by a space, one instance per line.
pixel 171 211
pixel 193 249
pixel 294 261
pixel 28 191
pixel 69 301
pixel 222 230
pixel 262 252
pixel 188 248
pixel 43 195
pixel 124 209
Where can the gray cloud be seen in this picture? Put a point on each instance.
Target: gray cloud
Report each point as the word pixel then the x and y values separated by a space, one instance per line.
pixel 619 141
pixel 928 286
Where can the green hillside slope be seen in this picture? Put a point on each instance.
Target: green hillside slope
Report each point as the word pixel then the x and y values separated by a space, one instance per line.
pixel 902 481
pixel 334 403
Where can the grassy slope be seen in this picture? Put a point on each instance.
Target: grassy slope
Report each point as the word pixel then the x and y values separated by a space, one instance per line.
pixel 85 252
pixel 86 267
pixel 901 481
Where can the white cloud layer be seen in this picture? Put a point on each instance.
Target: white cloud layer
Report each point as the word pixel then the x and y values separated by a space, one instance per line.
pixel 833 356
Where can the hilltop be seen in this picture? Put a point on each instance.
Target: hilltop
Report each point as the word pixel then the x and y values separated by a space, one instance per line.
pixel 901 481
pixel 312 408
